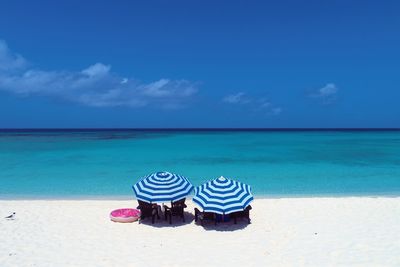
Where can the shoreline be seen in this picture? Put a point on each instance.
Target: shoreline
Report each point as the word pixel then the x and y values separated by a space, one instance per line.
pixel 128 198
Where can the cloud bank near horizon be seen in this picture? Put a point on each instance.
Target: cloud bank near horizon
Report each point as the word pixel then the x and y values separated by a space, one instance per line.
pixel 94 86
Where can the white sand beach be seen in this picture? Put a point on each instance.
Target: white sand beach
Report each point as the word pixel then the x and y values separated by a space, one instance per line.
pixel 353 231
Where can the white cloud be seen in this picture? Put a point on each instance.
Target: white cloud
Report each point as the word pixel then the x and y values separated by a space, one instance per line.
pixel 328 90
pixel 269 108
pixel 97 69
pixel 326 94
pixel 265 104
pixel 259 104
pixel 238 98
pixel 156 89
pixel 93 86
pixel 8 60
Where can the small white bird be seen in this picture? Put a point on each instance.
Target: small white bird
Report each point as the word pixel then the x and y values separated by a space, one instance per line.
pixel 10 217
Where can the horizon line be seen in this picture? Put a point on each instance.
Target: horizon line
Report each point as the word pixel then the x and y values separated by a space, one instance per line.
pixel 207 129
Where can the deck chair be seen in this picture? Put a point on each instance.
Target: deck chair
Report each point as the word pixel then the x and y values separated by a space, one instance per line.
pixel 176 209
pixel 242 214
pixel 204 216
pixel 148 210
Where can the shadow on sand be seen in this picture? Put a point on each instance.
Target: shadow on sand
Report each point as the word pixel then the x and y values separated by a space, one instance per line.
pixel 176 221
pixel 225 226
pixel 189 219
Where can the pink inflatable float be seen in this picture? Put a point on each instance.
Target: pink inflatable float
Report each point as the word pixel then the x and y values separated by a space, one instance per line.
pixel 125 215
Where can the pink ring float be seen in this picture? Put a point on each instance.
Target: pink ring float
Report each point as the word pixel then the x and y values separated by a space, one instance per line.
pixel 125 215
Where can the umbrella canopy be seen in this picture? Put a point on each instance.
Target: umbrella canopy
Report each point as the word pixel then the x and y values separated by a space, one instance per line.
pixel 162 187
pixel 223 196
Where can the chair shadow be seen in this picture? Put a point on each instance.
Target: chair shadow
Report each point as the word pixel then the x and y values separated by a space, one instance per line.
pixel 189 219
pixel 176 221
pixel 224 226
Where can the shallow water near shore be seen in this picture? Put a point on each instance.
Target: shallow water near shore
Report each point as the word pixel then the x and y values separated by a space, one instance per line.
pixel 97 164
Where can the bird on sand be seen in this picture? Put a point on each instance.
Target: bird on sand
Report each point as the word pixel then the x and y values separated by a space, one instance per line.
pixel 10 217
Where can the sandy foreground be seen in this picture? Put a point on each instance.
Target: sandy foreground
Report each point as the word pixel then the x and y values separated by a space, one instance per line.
pixel 356 231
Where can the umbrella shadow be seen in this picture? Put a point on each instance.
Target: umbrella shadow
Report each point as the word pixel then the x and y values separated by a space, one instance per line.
pixel 176 221
pixel 225 226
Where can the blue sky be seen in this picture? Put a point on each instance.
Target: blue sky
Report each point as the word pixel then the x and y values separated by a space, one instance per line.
pixel 199 64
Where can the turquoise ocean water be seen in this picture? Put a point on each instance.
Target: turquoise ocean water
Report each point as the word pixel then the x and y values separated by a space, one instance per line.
pixel 104 164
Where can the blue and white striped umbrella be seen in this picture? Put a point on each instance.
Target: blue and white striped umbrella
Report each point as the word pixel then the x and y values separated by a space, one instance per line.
pixel 162 187
pixel 223 196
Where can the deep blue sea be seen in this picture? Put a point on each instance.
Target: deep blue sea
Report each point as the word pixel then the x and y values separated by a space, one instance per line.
pixel 105 163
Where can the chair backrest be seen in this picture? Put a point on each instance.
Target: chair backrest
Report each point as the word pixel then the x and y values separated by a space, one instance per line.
pixel 146 209
pixel 179 203
pixel 145 205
